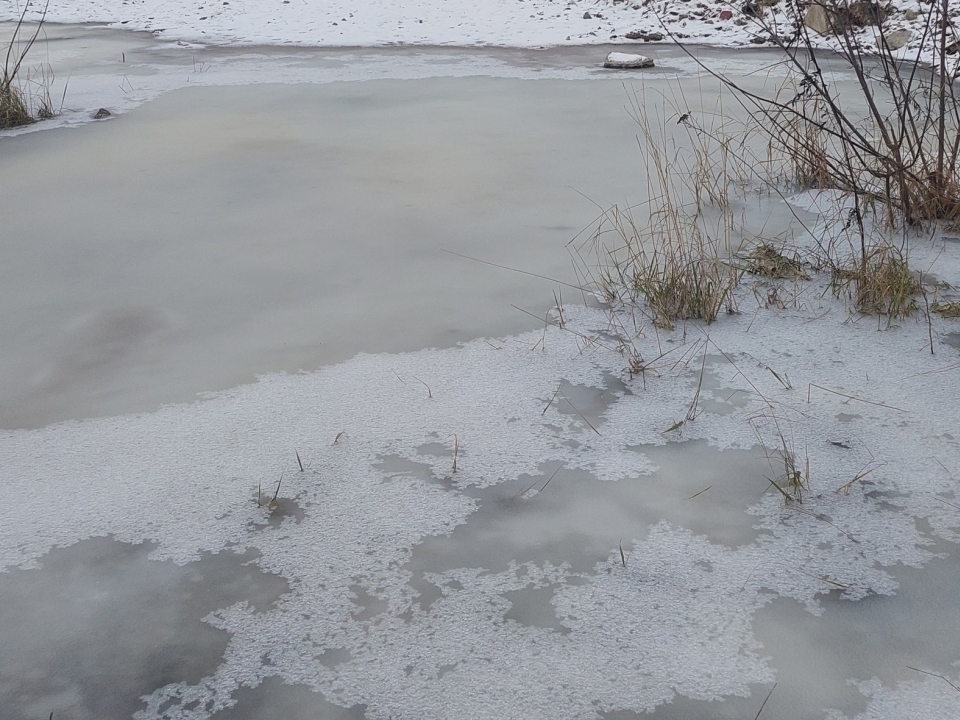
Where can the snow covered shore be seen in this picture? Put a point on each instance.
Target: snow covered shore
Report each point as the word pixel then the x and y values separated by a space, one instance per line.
pixel 512 23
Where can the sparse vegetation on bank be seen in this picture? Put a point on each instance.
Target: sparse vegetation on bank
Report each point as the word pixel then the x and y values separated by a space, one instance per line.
pixel 890 149
pixel 894 143
pixel 677 270
pixel 877 163
pixel 24 94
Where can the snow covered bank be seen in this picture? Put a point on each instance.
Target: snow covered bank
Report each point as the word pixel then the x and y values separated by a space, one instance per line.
pixel 515 23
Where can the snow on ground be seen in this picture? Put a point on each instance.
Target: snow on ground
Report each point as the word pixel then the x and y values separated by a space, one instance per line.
pixel 515 23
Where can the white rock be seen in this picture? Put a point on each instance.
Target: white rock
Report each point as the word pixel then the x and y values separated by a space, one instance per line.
pixel 626 60
pixel 818 20
pixel 895 39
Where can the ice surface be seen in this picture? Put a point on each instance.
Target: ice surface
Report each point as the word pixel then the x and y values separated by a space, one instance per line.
pixel 378 617
pixel 308 231
pixel 930 698
pixel 674 615
pixel 311 205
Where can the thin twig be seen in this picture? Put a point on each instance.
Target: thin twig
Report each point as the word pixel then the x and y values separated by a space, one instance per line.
pixel 579 413
pixel 552 398
pixel 273 500
pixel 932 674
pixel 429 392
pixel 764 703
pixel 851 397
pixel 516 270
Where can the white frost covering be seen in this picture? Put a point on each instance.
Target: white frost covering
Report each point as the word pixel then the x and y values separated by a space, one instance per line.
pixel 676 619
pixel 931 698
pixel 516 23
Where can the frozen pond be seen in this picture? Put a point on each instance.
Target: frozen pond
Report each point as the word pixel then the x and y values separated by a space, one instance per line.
pixel 224 231
pixel 198 241
pixel 221 232
pixel 500 525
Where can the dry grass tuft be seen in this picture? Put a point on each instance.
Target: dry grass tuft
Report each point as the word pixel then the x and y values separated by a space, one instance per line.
pixel 677 287
pixel 674 256
pixel 678 272
pixel 946 309
pixel 15 102
pixel 13 109
pixel 881 282
pixel 806 150
pixel 936 195
pixel 794 481
pixel 766 260
pixel 791 478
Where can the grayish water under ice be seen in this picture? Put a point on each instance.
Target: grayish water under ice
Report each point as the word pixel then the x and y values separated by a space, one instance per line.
pixel 261 214
pixel 101 624
pixel 218 233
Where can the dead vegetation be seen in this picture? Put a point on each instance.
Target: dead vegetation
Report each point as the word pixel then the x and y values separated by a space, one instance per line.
pixel 673 253
pixel 776 262
pixel 24 93
pixel 890 147
pixel 895 141
pixel 946 309
pixel 677 271
pixel 880 282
